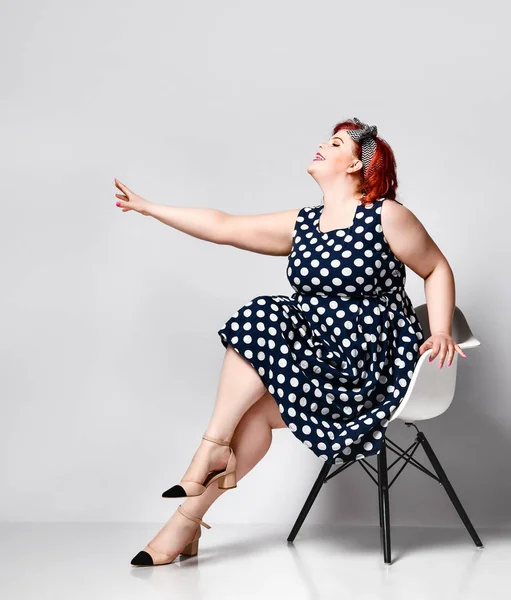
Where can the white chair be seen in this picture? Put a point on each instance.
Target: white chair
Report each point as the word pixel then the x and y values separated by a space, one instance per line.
pixel 429 394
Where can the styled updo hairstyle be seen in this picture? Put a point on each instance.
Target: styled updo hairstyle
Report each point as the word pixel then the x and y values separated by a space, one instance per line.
pixel 380 179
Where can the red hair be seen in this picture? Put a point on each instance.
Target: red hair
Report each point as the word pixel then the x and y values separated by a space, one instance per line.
pixel 380 179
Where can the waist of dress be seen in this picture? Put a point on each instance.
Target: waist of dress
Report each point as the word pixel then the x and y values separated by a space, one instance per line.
pixel 385 297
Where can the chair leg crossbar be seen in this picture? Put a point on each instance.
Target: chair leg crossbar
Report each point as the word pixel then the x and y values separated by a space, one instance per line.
pixel 381 480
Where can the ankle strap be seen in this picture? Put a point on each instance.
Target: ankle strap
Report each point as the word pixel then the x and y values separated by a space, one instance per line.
pixel 217 441
pixel 196 519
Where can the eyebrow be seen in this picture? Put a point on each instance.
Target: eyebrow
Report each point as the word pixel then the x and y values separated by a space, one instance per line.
pixel 338 138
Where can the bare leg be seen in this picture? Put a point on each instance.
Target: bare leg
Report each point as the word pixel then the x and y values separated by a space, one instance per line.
pixel 250 442
pixel 238 389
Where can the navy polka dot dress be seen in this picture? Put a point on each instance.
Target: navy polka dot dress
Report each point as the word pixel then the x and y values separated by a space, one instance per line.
pixel 338 355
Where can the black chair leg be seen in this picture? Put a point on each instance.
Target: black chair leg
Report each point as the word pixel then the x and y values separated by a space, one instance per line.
pixel 383 497
pixel 310 501
pixel 380 504
pixel 448 488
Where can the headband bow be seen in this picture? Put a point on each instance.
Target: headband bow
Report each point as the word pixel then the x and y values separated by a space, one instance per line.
pixel 365 136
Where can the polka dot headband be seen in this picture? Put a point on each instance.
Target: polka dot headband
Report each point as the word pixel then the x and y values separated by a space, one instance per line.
pixel 366 138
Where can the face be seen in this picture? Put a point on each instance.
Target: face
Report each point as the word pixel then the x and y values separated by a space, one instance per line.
pixel 338 158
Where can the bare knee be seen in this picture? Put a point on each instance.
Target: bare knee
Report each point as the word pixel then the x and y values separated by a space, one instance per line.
pixel 268 409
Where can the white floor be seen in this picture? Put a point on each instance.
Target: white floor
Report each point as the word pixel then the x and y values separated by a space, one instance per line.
pixel 92 561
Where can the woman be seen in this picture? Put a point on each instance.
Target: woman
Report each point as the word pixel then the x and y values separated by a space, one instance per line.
pixel 334 360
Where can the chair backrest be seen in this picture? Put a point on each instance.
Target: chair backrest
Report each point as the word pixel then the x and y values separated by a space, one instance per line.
pixel 431 389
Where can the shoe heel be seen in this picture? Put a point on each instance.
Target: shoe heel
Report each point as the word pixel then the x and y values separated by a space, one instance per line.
pixel 192 548
pixel 227 482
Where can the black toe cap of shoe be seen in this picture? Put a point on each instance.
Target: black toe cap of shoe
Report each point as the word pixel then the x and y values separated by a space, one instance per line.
pixel 143 559
pixel 176 491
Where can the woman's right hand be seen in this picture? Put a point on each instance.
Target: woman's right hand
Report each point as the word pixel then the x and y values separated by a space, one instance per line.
pixel 128 200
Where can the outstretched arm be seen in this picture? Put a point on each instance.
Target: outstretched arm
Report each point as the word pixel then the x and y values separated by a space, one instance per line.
pixel 265 234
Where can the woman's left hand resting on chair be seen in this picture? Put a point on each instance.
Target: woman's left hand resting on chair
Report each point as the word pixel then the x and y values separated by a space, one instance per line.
pixel 442 344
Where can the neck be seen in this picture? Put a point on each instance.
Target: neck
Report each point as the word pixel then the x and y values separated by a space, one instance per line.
pixel 341 194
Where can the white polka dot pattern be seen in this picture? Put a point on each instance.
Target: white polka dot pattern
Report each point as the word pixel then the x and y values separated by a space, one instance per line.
pixel 338 355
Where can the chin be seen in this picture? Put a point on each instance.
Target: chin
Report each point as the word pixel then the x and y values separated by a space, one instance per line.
pixel 312 170
pixel 313 175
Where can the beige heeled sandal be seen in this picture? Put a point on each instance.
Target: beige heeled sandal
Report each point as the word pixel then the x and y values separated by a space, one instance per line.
pixel 226 478
pixel 144 559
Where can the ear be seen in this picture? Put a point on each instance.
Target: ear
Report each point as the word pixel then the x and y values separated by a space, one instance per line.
pixel 355 166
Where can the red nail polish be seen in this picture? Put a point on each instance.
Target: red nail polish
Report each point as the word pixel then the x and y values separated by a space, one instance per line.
pixel 117 204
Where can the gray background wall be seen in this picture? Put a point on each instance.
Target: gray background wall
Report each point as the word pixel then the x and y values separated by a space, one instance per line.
pixel 110 354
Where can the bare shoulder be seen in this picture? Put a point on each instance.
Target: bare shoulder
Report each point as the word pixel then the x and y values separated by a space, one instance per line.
pixel 395 216
pixel 408 239
pixel 267 233
pixel 395 208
